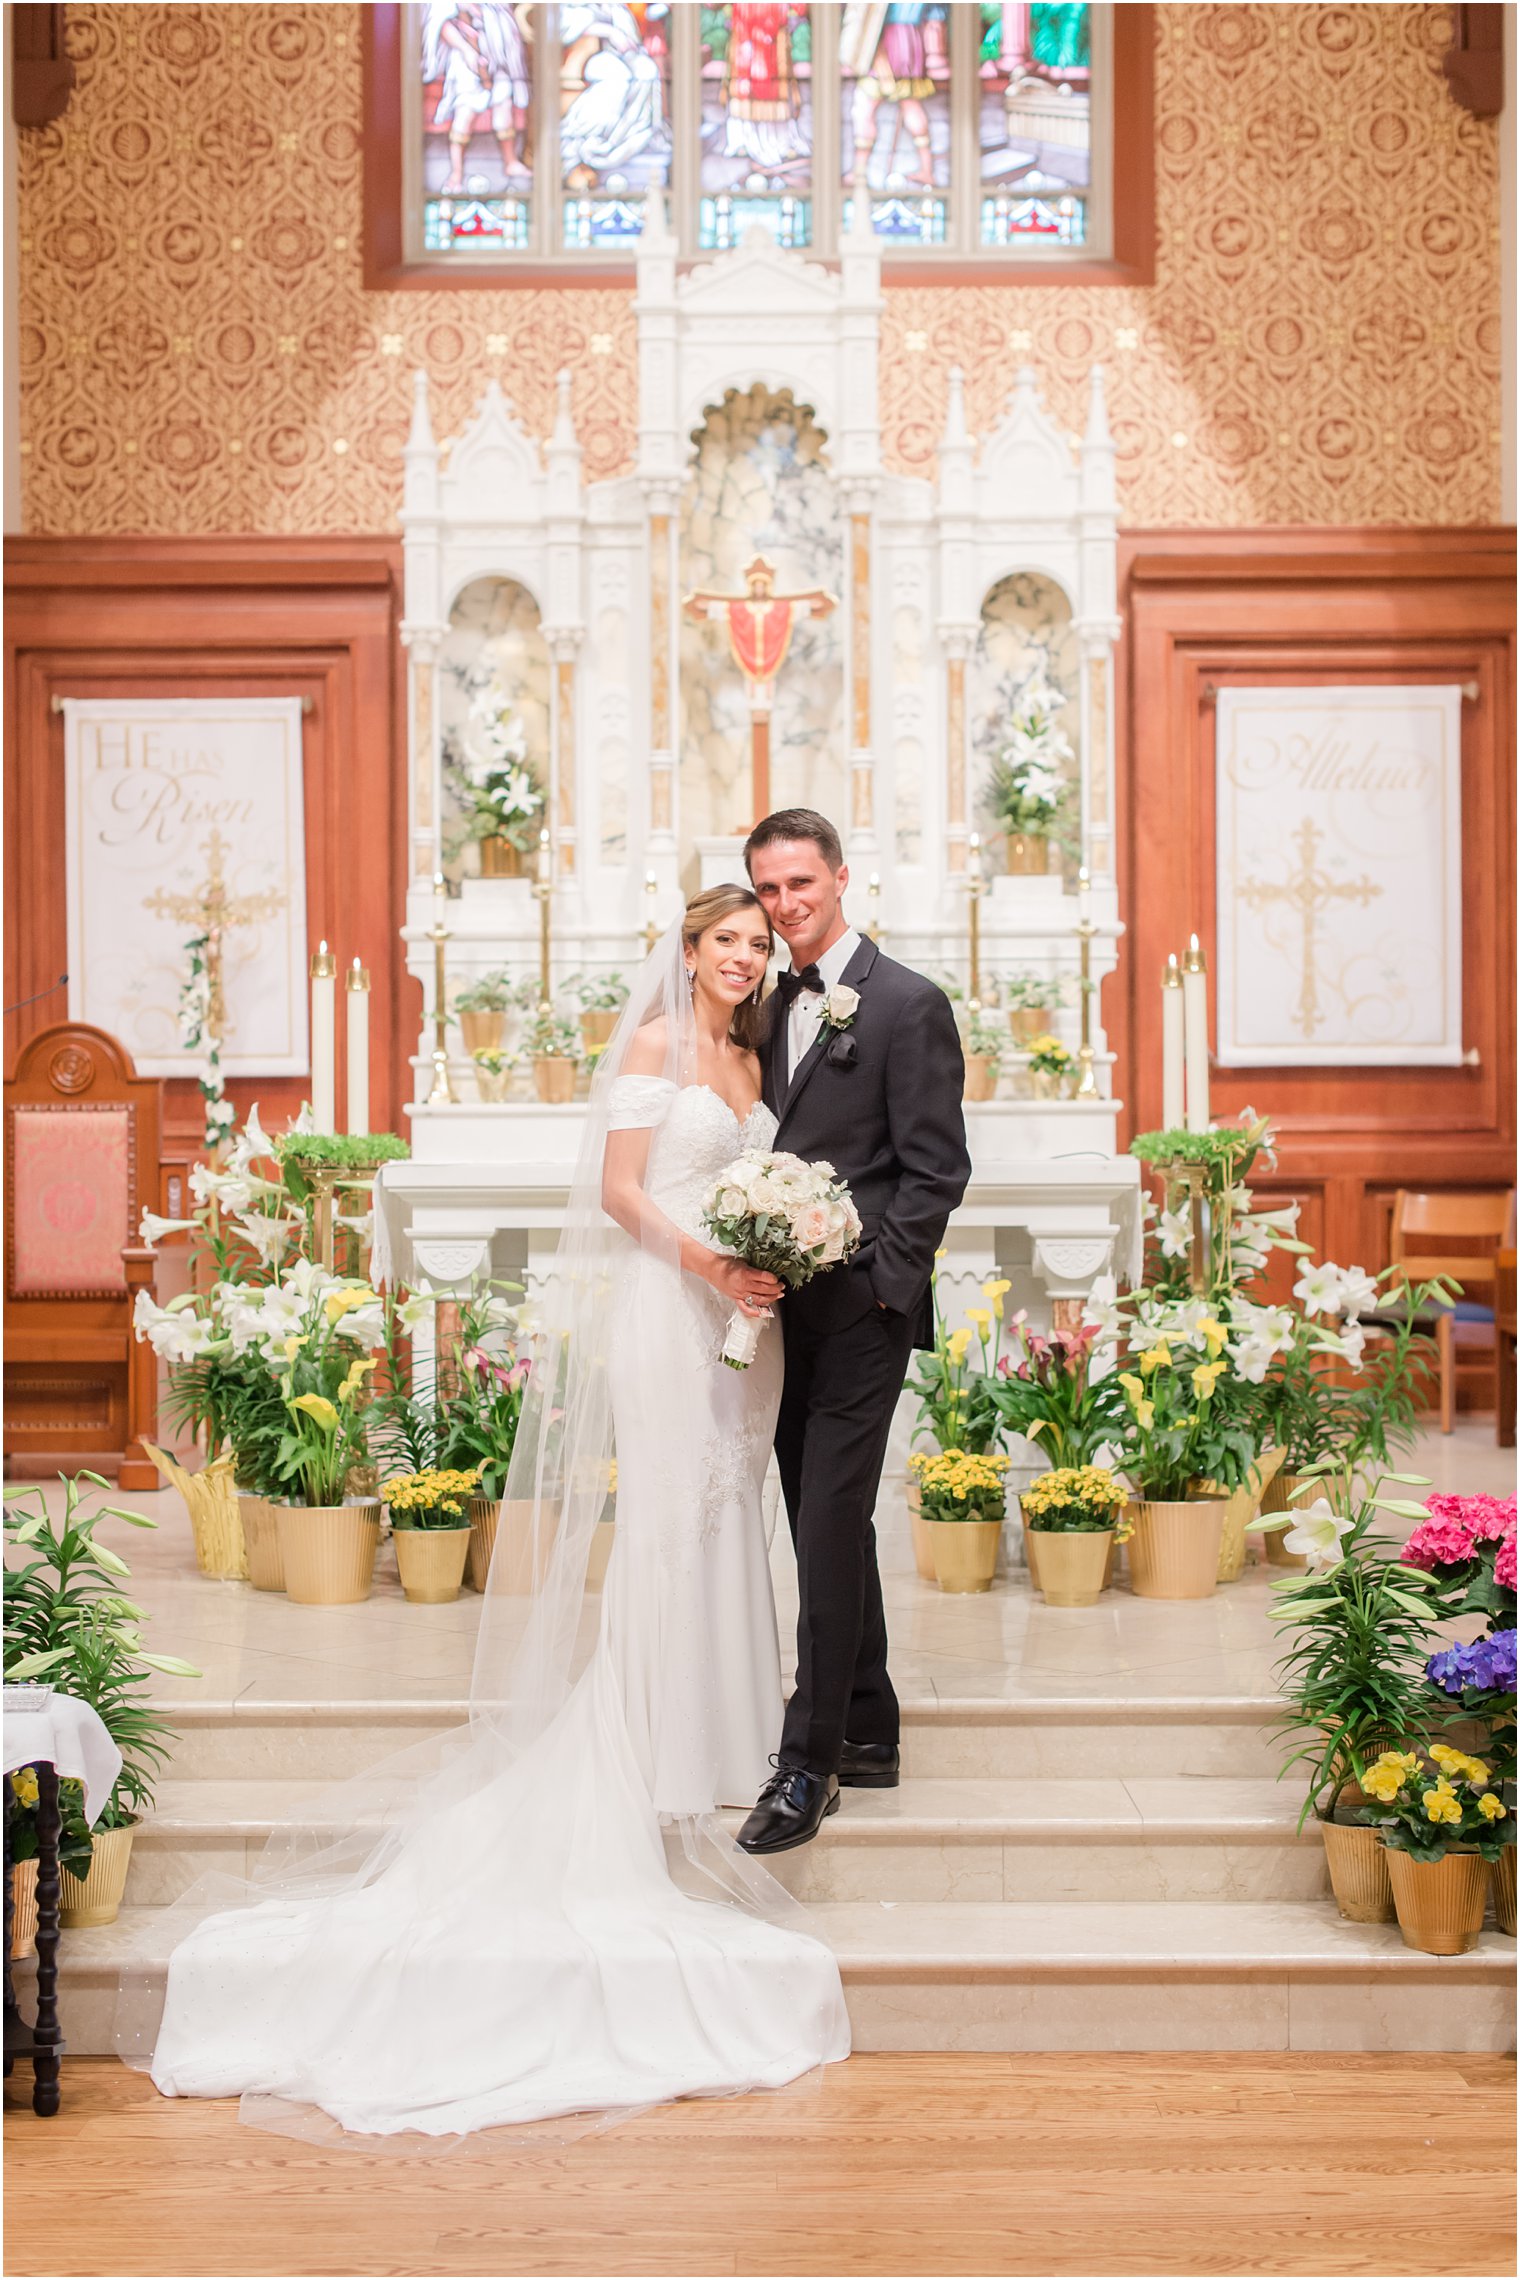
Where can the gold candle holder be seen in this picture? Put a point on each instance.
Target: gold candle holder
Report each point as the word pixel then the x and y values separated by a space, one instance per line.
pixel 874 927
pixel 543 888
pixel 1181 1174
pixel 652 925
pixel 975 886
pixel 1087 1081
pixel 442 1094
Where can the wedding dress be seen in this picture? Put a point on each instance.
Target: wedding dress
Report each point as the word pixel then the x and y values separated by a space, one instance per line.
pixel 555 1920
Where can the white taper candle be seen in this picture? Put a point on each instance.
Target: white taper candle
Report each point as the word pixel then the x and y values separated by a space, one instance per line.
pixel 358 1047
pixel 1195 1036
pixel 324 970
pixel 1171 1047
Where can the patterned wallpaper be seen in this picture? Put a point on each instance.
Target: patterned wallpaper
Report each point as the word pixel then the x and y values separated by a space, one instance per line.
pixel 199 354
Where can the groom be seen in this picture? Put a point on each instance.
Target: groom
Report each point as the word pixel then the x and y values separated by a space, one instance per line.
pixel 862 1067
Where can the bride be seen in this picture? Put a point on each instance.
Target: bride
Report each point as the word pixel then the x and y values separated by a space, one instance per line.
pixel 545 1915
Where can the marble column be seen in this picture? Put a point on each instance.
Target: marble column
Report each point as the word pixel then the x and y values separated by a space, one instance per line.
pixel 662 676
pixel 565 749
pixel 862 767
pixel 422 644
pixel 957 824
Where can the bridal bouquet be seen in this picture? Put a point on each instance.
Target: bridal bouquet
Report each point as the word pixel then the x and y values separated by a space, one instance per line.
pixel 789 1218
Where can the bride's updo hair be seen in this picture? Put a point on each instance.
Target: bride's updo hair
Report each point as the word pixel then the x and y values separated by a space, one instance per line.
pixel 708 909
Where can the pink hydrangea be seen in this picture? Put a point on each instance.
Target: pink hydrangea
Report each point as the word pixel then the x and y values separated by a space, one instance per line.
pixel 1504 1564
pixel 1457 1526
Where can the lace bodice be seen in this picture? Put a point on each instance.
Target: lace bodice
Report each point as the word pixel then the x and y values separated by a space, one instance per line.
pixel 695 1134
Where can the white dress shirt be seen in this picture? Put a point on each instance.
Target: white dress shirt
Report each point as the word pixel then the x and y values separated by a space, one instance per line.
pixel 807 1005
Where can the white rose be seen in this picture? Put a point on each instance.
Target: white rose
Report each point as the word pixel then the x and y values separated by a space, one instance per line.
pixel 762 1194
pixel 833 1250
pixel 730 1203
pixel 841 1003
pixel 811 1226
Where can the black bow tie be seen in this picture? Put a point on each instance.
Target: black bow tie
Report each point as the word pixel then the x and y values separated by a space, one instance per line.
pixel 790 984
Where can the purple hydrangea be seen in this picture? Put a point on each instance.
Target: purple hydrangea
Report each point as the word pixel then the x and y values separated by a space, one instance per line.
pixel 1487 1666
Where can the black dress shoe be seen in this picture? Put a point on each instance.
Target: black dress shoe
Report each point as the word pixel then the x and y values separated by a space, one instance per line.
pixel 791 1808
pixel 868 1765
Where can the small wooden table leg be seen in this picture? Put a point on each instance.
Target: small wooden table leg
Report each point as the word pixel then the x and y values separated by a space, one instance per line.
pixel 47 2042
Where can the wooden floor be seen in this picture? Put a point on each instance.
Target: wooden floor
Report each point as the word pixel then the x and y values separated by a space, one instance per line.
pixel 931 2164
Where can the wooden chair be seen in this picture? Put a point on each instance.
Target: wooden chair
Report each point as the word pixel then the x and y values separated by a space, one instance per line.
pixel 1504 1328
pixel 1457 1233
pixel 81 1162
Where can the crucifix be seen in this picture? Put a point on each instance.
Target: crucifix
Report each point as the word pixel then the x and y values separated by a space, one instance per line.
pixel 1308 891
pixel 214 912
pixel 760 623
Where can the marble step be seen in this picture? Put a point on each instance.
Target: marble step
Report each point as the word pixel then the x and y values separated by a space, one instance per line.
pixel 1041 1976
pixel 1098 1736
pixel 1148 1838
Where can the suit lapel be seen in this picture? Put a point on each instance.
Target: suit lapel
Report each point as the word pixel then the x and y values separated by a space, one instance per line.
pixel 852 977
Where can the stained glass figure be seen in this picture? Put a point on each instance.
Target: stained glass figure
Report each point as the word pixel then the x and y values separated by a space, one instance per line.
pixel 757 122
pixel 894 72
pixel 477 96
pixel 614 127
pixel 1035 71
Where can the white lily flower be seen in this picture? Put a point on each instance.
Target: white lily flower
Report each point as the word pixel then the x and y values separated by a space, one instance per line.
pixel 1359 1290
pixel 267 1232
pixel 1176 1234
pixel 1316 1536
pixel 152 1229
pixel 1252 1358
pixel 230 1191
pixel 1318 1289
pixel 365 1325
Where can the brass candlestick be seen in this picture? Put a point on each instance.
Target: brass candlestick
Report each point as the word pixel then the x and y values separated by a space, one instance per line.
pixel 652 928
pixel 1180 1173
pixel 442 1094
pixel 974 890
pixel 874 926
pixel 543 888
pixel 1087 1082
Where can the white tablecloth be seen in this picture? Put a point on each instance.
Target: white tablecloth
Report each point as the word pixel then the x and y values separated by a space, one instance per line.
pixel 54 1729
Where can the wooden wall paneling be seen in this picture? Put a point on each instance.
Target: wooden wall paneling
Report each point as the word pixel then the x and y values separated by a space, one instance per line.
pixel 161 617
pixel 1203 610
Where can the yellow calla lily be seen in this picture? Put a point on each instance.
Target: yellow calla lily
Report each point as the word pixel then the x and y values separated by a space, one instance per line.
pixel 1157 1357
pixel 341 1302
pixel 317 1405
pixel 1132 1385
pixel 357 1372
pixel 957 1343
pixel 1214 1335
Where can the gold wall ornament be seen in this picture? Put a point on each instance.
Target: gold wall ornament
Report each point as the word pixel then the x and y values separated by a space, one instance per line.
pixel 215 911
pixel 1310 890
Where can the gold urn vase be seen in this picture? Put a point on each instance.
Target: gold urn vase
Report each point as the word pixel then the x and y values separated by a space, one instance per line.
pixel 1027 855
pixel 499 859
pixel 430 1562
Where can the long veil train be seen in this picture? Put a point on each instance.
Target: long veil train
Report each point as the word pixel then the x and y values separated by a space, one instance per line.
pixel 508 1924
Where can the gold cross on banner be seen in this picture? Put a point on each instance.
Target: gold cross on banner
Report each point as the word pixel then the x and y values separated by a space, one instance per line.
pixel 1308 891
pixel 214 912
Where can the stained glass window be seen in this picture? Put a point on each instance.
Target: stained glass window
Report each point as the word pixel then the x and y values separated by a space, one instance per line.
pixel 895 129
pixel 1034 124
pixel 477 91
pixel 614 119
pixel 756 122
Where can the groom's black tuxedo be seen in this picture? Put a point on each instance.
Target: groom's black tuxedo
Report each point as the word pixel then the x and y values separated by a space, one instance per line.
pixel 882 1103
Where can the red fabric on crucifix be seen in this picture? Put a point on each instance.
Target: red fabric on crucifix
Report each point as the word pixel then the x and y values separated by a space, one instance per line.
pixel 760 634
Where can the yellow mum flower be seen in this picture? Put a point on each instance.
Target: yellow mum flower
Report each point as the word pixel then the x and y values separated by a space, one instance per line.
pixel 1490 1807
pixel 316 1406
pixel 1157 1357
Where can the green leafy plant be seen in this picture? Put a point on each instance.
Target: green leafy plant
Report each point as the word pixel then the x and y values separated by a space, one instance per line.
pixel 986 1038
pixel 488 993
pixel 342 1151
pixel 1174 1429
pixel 552 1036
pixel 1045 1389
pixel 1029 992
pixel 955 1380
pixel 598 993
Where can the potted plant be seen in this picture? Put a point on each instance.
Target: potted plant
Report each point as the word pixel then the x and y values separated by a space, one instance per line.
pixel 963 1497
pixel 478 1431
pixel 430 1528
pixel 954 1382
pixel 1030 999
pixel 1172 1433
pixel 328 1536
pixel 68 1623
pixel 1045 1390
pixel 601 998
pixel 1354 1683
pixel 1442 1824
pixel 985 1045
pixel 1050 1066
pixel 1480 1677
pixel 1077 1511
pixel 493 1073
pixel 496 786
pixel 482 1008
pixel 1028 790
pixel 552 1043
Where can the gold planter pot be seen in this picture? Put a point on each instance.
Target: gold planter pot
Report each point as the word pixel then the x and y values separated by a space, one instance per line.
pixel 981 1076
pixel 1027 855
pixel 1073 1564
pixel 1027 1021
pixel 1502 1877
pixel 1047 1084
pixel 23 1909
pixel 329 1551
pixel 261 1533
pixel 482 1032
pixel 1439 1902
pixel 1358 1863
pixel 1240 1510
pixel 1276 1497
pixel 86 1902
pixel 211 1500
pixel 1174 1551
pixel 524 1559
pixel 597 1025
pixel 430 1562
pixel 554 1077
pixel 1031 1551
pixel 499 859
pixel 965 1553
pixel 923 1542
pixel 491 1084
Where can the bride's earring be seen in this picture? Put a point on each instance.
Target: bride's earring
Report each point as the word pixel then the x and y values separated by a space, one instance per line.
pixel 691 982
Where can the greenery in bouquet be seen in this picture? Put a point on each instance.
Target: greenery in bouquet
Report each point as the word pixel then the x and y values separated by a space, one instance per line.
pixel 1176 1427
pixel 598 993
pixel 1354 1676
pixel 487 768
pixel 488 993
pixel 956 1379
pixel 1028 790
pixel 437 1497
pixel 1045 1388
pixel 1048 1057
pixel 1076 1499
pixel 1466 1544
pixel 1030 992
pixel 70 1624
pixel 960 1484
pixel 1432 1802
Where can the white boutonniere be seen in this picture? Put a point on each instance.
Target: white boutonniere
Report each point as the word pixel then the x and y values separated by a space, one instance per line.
pixel 838 1010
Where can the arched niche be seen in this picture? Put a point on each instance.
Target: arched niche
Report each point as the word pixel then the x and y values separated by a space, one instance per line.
pixel 1025 629
pixel 759 482
pixel 494 645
